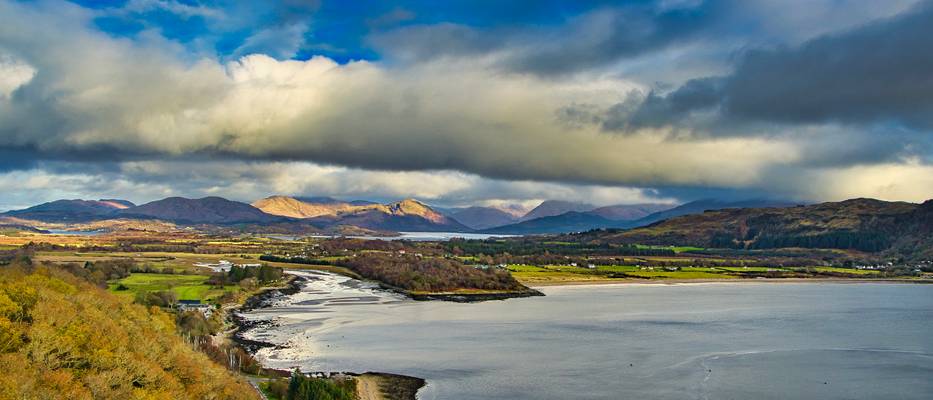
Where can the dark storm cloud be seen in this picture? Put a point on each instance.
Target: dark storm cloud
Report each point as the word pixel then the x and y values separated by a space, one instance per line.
pixel 878 73
pixel 883 71
pixel 638 111
pixel 12 159
pixel 590 40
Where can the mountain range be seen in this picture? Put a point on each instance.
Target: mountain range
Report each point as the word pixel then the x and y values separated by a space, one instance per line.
pixel 866 225
pixel 208 210
pixel 405 215
pixel 323 214
pixel 326 214
pixel 621 216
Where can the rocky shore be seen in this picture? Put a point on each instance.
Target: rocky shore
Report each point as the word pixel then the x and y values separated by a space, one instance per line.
pixel 263 299
pixel 371 385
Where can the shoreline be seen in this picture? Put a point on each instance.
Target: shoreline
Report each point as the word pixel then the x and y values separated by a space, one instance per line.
pixel 464 297
pixel 261 299
pixel 607 282
pixel 370 385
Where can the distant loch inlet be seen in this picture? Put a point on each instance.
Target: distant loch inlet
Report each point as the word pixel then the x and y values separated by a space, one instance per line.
pixel 413 236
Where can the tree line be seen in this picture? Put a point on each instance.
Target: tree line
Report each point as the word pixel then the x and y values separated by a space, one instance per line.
pixel 428 274
pixel 864 241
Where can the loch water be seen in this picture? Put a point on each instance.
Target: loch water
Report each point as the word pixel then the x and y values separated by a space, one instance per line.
pixel 648 341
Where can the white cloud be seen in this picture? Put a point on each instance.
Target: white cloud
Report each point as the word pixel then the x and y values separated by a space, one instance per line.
pixel 13 74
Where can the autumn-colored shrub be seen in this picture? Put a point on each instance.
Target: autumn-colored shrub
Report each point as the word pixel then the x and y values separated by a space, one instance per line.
pixel 64 338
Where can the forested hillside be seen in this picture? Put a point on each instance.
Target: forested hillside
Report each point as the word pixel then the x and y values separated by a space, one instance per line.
pixel 867 225
pixel 64 338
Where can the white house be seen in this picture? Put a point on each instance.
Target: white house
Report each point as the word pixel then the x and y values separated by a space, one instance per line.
pixel 195 305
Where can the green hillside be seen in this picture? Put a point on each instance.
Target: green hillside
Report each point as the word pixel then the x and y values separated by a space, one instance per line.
pixel 866 225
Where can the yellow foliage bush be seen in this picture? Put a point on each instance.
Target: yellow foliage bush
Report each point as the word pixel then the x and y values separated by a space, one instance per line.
pixel 63 338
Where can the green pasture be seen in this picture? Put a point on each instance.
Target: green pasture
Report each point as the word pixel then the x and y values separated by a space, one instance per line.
pixel 186 287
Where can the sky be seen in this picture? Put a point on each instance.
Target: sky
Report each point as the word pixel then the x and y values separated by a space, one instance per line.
pixel 467 102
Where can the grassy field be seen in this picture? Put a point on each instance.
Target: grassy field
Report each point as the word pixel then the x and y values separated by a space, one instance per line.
pixel 175 260
pixel 525 268
pixel 531 274
pixel 547 276
pixel 680 275
pixel 846 270
pixel 186 287
pixel 563 273
pixel 750 269
pixel 617 268
pixel 676 249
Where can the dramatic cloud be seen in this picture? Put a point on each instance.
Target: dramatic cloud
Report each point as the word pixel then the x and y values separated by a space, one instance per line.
pixel 106 97
pixel 874 73
pixel 879 72
pixel 459 112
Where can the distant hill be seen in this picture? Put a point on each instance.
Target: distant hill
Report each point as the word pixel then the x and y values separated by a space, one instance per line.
pixel 7 229
pixel 331 200
pixel 319 200
pixel 515 210
pixel 482 217
pixel 551 208
pixel 208 210
pixel 629 212
pixel 301 207
pixel 866 225
pixel 699 206
pixel 575 221
pixel 275 213
pixel 405 215
pixel 71 210
pixel 571 221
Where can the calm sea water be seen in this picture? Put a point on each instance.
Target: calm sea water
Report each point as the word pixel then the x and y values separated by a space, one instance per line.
pixel 695 341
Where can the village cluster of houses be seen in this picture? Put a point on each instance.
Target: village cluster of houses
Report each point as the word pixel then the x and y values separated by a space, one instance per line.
pixel 918 267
